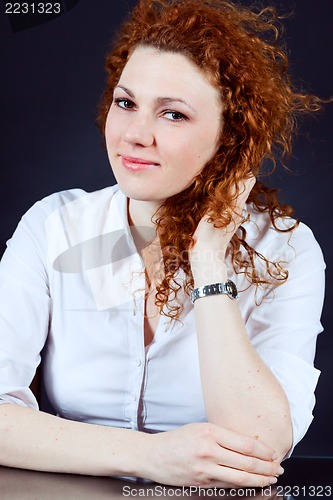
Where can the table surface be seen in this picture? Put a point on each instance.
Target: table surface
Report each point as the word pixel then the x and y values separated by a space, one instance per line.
pixel 303 478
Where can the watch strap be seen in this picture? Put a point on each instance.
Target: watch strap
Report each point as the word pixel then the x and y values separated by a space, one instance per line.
pixel 228 288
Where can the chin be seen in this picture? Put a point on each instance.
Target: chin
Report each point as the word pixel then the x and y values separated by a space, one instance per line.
pixel 135 193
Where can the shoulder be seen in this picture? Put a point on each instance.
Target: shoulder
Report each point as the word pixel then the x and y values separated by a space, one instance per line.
pixel 67 217
pixel 72 203
pixel 74 198
pixel 284 241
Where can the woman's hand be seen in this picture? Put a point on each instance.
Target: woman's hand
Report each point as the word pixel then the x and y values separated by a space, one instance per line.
pixel 207 455
pixel 207 255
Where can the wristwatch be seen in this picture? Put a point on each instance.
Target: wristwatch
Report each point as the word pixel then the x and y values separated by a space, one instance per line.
pixel 228 288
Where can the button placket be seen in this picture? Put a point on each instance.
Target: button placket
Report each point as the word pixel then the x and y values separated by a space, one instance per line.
pixel 136 354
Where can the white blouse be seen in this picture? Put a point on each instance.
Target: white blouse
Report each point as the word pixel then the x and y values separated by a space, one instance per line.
pixel 72 282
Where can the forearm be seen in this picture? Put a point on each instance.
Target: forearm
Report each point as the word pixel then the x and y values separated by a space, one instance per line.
pixel 240 391
pixel 35 440
pixel 188 455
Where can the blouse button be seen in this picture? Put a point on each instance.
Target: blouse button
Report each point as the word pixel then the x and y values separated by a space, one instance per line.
pixel 138 362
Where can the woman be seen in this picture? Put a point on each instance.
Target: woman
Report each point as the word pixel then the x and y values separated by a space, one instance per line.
pixel 132 291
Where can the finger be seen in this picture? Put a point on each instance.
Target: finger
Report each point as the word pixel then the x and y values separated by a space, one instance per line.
pixel 243 195
pixel 244 444
pixel 245 184
pixel 238 478
pixel 235 460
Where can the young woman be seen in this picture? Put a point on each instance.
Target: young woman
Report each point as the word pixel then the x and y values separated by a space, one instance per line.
pixel 131 292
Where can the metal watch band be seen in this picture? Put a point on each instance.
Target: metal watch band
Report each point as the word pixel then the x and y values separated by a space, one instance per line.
pixel 228 288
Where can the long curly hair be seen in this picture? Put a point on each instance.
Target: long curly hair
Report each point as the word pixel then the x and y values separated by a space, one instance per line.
pixel 241 51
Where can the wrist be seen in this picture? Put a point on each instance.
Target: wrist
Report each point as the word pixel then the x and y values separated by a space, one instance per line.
pixel 134 461
pixel 210 273
pixel 145 456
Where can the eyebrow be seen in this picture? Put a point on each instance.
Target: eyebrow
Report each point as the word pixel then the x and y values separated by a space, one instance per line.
pixel 160 100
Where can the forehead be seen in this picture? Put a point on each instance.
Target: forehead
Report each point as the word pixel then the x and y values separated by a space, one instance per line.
pixel 150 68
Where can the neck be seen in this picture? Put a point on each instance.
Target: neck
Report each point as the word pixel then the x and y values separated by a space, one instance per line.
pixel 141 213
pixel 140 216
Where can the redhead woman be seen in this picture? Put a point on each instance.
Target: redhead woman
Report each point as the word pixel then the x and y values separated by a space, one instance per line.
pixel 178 310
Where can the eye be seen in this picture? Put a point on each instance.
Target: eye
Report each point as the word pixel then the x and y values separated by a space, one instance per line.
pixel 174 116
pixel 123 103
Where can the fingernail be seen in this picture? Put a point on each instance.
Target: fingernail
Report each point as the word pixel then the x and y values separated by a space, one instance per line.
pixel 274 456
pixel 273 480
pixel 280 470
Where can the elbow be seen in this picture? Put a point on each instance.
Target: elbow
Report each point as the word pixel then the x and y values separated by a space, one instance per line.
pixel 281 436
pixel 275 430
pixel 283 448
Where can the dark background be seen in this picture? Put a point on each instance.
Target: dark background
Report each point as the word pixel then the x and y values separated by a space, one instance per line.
pixel 51 78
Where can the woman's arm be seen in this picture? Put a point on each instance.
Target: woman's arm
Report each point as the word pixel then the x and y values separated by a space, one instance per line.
pixel 240 391
pixel 32 439
pixel 189 455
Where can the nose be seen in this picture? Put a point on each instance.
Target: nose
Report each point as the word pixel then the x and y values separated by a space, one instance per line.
pixel 139 131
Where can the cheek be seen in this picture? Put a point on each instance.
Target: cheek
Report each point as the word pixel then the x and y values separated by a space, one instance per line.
pixel 202 150
pixel 209 143
pixel 110 131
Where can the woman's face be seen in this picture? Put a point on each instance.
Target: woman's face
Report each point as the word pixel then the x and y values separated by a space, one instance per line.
pixel 163 125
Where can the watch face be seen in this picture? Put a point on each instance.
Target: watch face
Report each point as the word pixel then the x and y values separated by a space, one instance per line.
pixel 232 289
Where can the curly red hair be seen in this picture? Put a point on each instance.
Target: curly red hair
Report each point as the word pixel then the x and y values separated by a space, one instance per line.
pixel 240 51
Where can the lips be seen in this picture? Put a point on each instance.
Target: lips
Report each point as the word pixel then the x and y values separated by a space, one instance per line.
pixel 133 163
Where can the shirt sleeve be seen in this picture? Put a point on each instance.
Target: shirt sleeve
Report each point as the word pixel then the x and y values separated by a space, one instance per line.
pixel 285 326
pixel 24 308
